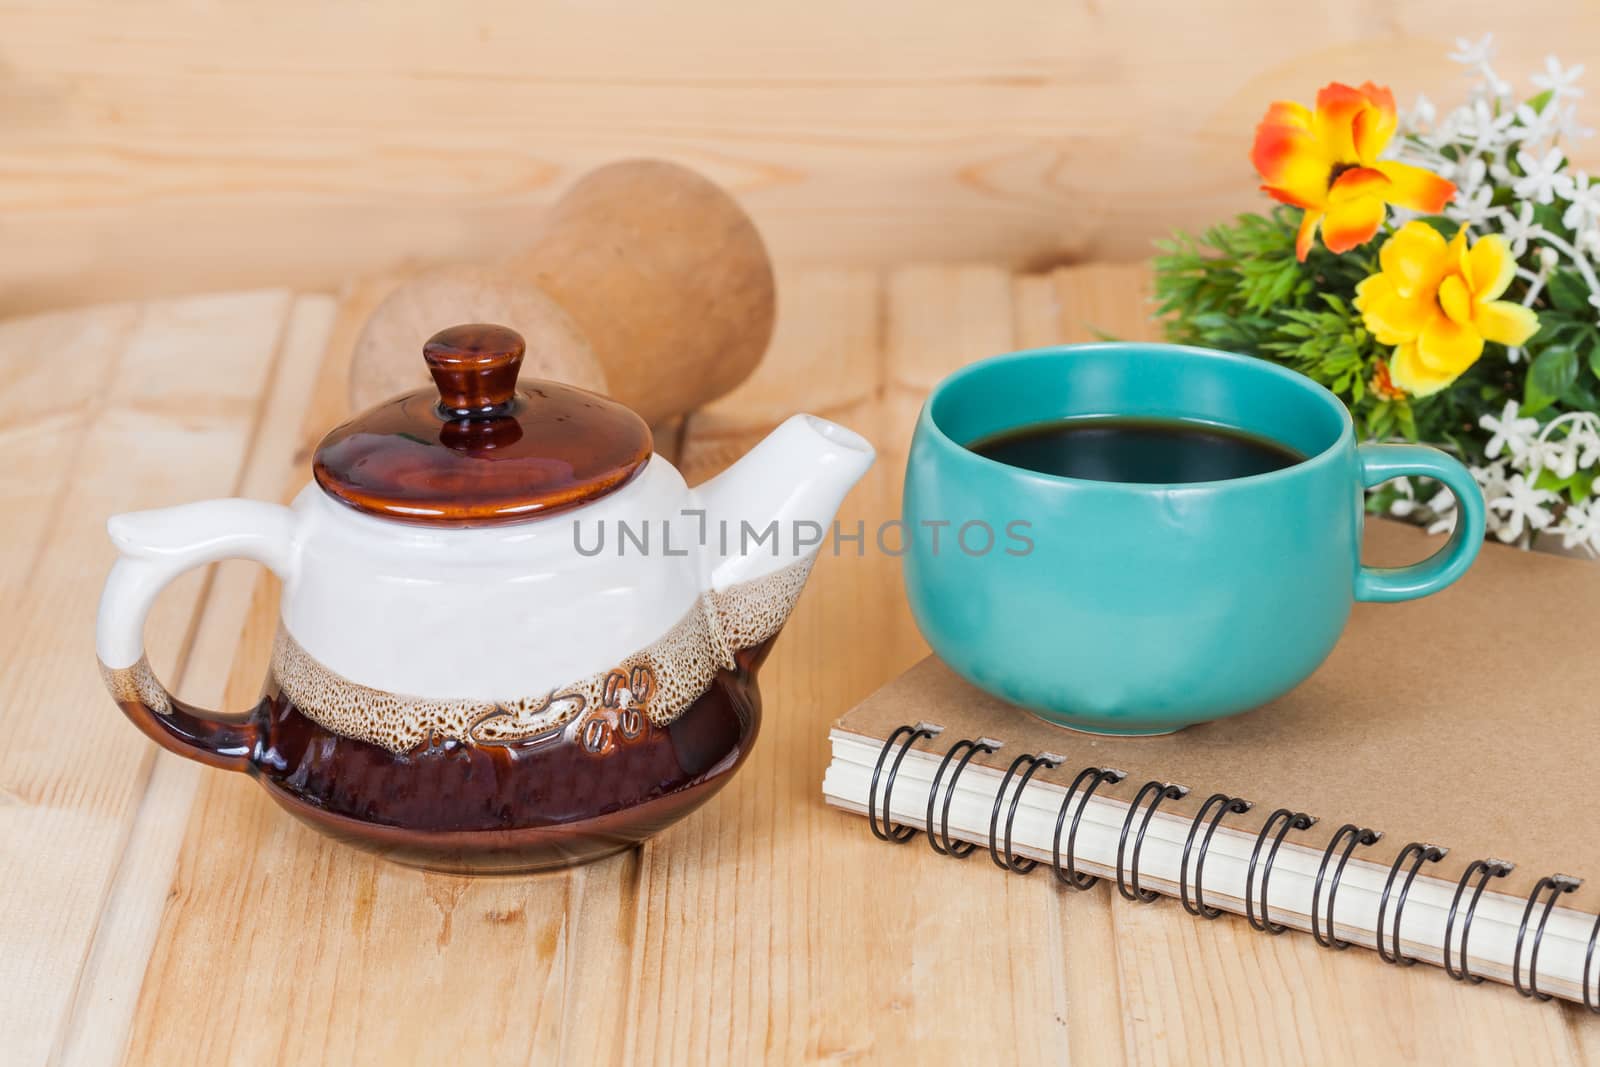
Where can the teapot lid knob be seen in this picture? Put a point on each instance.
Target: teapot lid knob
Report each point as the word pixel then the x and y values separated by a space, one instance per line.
pixel 475 368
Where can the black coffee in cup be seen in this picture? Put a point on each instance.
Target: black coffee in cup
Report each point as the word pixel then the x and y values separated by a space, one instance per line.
pixel 1143 450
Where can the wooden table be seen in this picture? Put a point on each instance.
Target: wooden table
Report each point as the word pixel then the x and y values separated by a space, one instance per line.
pixel 157 911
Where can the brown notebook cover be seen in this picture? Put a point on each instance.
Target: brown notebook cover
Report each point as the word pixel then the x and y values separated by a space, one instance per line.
pixel 1466 719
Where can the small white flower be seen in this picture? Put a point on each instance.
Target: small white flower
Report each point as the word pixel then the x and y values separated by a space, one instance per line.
pixel 1559 457
pixel 1492 481
pixel 1443 506
pixel 1470 53
pixel 1446 130
pixel 1584 211
pixel 1508 433
pixel 1588 243
pixel 1519 229
pixel 1405 501
pixel 1530 460
pixel 1558 80
pixel 1586 442
pixel 1522 507
pixel 1469 176
pixel 1421 156
pixel 1534 125
pixel 1485 127
pixel 1421 116
pixel 1580 525
pixel 1475 209
pixel 1542 180
pixel 1568 128
pixel 1548 258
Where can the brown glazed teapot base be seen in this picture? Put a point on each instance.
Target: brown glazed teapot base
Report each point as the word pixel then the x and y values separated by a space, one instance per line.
pixel 509 809
pixel 531 850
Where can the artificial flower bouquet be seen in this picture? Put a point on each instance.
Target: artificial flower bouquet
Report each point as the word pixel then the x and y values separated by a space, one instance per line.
pixel 1438 273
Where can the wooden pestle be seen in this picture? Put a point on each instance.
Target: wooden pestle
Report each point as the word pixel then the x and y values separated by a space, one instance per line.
pixel 645 281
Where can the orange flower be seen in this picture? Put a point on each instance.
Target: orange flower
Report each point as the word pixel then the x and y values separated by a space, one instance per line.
pixel 1327 163
pixel 1382 385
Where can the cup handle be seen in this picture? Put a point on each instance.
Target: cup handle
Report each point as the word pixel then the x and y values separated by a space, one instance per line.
pixel 156 546
pixel 1387 585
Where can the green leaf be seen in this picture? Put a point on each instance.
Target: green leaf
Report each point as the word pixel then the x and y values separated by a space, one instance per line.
pixel 1534 399
pixel 1542 101
pixel 1446 226
pixel 1581 397
pixel 1594 359
pixel 1549 217
pixel 1382 421
pixel 1408 420
pixel 1553 372
pixel 1577 486
pixel 1568 291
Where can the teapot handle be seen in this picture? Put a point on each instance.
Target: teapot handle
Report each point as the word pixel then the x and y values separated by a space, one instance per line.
pixel 156 546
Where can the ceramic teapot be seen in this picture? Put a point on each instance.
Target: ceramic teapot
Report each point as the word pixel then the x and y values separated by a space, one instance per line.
pixel 511 638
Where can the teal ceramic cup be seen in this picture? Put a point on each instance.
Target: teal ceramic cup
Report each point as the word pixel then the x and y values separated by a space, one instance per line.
pixel 1125 608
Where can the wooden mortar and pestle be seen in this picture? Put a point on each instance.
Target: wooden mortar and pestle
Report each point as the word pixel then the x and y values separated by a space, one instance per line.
pixel 646 282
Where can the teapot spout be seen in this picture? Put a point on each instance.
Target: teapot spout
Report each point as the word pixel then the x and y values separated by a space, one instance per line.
pixel 775 506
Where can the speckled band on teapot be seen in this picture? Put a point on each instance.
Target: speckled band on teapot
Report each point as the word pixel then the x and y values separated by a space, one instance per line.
pixel 658 681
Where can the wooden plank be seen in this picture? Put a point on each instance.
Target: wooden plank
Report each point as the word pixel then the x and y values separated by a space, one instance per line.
pixel 102 1011
pixel 57 370
pixel 742 900
pixel 177 421
pixel 1106 302
pixel 824 358
pixel 1010 131
pixel 1198 992
pixel 938 318
pixel 825 349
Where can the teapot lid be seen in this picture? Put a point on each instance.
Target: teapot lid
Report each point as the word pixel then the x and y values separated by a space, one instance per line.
pixel 479 450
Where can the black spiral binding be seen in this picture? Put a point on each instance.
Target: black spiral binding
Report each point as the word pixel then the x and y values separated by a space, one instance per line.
pixel 1223 804
pixel 1591 1002
pixel 1478 874
pixel 968 749
pixel 1290 820
pixel 1095 777
pixel 1484 870
pixel 1351 835
pixel 1157 791
pixel 889 832
pixel 1418 853
pixel 1557 884
pixel 1013 862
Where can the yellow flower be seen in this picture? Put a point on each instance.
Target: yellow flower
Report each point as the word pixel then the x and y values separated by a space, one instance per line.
pixel 1438 302
pixel 1327 162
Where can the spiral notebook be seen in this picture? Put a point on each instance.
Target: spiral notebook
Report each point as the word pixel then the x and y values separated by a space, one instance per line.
pixel 1427 794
